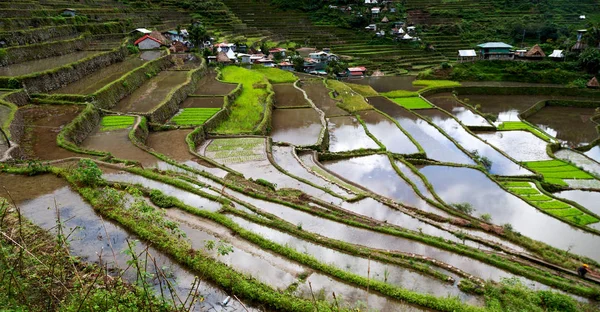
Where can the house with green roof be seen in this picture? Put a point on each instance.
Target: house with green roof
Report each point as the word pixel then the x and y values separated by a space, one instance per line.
pixel 496 51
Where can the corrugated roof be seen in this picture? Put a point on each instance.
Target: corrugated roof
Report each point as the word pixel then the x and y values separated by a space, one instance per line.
pixel 147 37
pixel 492 45
pixel 466 53
pixel 557 53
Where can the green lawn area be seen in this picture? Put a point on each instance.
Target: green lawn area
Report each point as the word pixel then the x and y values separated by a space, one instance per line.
pixel 400 94
pixel 351 101
pixel 109 123
pixel 364 90
pixel 275 75
pixel 194 116
pixel 430 84
pixel 553 206
pixel 519 125
pixel 412 103
pixel 247 109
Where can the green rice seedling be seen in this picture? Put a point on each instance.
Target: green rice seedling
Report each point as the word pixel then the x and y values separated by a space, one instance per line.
pixel 364 90
pixel 519 125
pixel 436 83
pixel 582 219
pixel 544 163
pixel 537 197
pixel 109 123
pixel 276 75
pixel 194 116
pixel 555 204
pixel 412 103
pixel 556 181
pixel 400 94
pixel 524 191
pixel 565 212
pixel 516 184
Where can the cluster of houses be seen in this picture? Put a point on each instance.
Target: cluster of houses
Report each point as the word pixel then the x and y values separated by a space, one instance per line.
pixel 399 31
pixel 503 51
pixel 177 41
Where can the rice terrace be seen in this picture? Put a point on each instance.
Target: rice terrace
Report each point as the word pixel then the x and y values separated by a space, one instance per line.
pixel 300 155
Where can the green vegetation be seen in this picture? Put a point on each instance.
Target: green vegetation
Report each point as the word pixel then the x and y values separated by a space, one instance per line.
pixel 519 125
pixel 248 108
pixel 400 94
pixel 537 72
pixel 275 75
pixel 555 171
pixel 433 84
pixel 531 194
pixel 364 90
pixel 512 295
pixel 350 100
pixel 412 103
pixel 194 116
pixel 110 123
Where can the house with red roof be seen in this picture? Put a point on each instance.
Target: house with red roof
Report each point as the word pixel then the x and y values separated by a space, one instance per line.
pixel 277 52
pixel 147 43
pixel 286 66
pixel 357 71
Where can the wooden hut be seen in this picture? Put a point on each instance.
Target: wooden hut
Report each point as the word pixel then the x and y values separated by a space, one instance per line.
pixel 535 52
pixel 593 83
pixel 223 58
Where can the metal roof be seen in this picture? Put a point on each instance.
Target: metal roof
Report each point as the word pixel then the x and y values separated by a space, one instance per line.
pixel 467 53
pixel 493 45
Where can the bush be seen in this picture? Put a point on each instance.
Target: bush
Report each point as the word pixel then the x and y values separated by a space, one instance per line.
pixel 133 49
pixel 161 200
pixel 87 173
pixel 266 183
pixel 466 208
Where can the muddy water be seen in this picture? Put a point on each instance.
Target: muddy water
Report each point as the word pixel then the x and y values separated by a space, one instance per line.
pixel 579 160
pixel 520 145
pixel 508 107
pixel 287 95
pixel 36 197
pixel 398 276
pixel 459 185
pixel 285 157
pixel 389 83
pixel 297 126
pixel 569 124
pixel 187 198
pixel 209 85
pixel 388 133
pixel 118 144
pixel 500 164
pixel 435 144
pixel 95 81
pixel 203 102
pixel 375 240
pixel 347 134
pixel 319 94
pixel 589 200
pixel 447 102
pixel 594 153
pixel 377 174
pixel 246 258
pixel 42 125
pixel 152 92
pixel 44 64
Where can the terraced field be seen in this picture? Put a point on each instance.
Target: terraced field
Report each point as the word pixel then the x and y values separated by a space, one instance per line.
pixel 269 190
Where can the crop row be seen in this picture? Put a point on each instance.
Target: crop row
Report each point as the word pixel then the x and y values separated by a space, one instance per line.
pixel 109 123
pixel 194 116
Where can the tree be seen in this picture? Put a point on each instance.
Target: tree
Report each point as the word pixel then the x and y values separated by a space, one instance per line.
pixel 298 62
pixel 334 67
pixel 589 60
pixel 197 35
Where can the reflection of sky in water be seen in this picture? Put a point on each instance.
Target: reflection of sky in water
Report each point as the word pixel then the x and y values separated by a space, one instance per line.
pixel 520 145
pixel 548 130
pixel 510 115
pixel 457 185
pixel 579 160
pixel 594 153
pixel 589 200
pixel 468 118
pixel 347 134
pixel 500 164
pixel 376 173
pixel 388 133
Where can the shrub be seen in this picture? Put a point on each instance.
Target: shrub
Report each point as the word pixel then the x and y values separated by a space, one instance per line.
pixel 161 200
pixel 87 173
pixel 466 208
pixel 266 183
pixel 133 49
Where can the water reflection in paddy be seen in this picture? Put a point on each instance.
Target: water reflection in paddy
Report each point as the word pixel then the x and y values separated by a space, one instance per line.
pixel 287 95
pixel 44 64
pixel 389 83
pixel 569 124
pixel 39 197
pixel 447 102
pixel 388 133
pixel 377 174
pixel 209 85
pixel 589 200
pixel 152 92
pixel 594 153
pixel 319 94
pixel 579 160
pixel 118 144
pixel 520 145
pixel 505 107
pixel 436 145
pixel 297 126
pixel 395 275
pixel 500 164
pixel 347 134
pixel 458 185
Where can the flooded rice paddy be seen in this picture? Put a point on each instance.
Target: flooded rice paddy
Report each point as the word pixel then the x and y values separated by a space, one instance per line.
pixel 203 102
pixel 388 133
pixel 287 95
pixel 569 124
pixel 209 85
pixel 319 94
pixel 388 83
pixel 594 153
pixel 152 92
pixel 520 145
pixel 41 65
pixel 347 134
pixel 447 102
pixel 297 126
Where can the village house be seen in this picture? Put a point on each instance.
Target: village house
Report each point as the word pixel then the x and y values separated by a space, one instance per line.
pixel 178 47
pixel 375 11
pixel 360 71
pixel 322 57
pixel 69 12
pixel 222 58
pixel 173 35
pixel 244 58
pixel 278 52
pixel 286 66
pixel 557 55
pixel 593 83
pixel 535 52
pixel 496 51
pixel 371 27
pixel 371 1
pixel 266 62
pixel 140 32
pixel 467 56
pixel 148 43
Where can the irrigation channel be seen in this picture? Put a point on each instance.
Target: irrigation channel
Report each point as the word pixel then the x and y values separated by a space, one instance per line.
pixel 386 207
